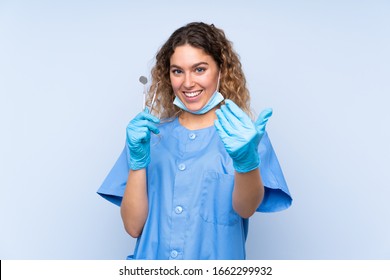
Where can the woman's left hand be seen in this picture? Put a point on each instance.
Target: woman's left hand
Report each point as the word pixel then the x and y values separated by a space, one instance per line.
pixel 240 135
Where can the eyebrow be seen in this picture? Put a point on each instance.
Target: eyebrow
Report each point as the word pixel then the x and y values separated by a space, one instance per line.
pixel 193 66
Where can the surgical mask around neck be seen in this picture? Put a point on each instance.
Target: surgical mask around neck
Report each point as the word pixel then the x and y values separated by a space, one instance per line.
pixel 215 99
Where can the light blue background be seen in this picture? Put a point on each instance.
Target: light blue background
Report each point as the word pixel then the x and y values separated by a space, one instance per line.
pixel 69 85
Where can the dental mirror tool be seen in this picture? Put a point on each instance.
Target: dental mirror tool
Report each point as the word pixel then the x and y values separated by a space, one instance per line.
pixel 144 81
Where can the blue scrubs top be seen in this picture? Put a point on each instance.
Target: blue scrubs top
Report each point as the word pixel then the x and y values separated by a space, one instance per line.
pixel 190 181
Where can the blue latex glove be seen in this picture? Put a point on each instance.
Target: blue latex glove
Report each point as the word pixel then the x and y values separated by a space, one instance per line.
pixel 138 139
pixel 240 136
pixel 262 120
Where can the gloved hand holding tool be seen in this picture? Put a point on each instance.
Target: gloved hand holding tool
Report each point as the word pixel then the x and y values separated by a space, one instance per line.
pixel 138 138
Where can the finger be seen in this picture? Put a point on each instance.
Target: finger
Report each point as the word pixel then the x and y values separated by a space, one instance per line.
pixel 237 117
pixel 221 131
pixel 234 122
pixel 146 116
pixel 147 120
pixel 147 124
pixel 224 122
pixel 138 135
pixel 264 117
pixel 236 111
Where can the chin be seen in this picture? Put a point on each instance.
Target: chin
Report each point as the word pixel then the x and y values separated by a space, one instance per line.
pixel 194 109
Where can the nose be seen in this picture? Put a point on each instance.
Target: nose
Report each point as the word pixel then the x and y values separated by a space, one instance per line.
pixel 188 81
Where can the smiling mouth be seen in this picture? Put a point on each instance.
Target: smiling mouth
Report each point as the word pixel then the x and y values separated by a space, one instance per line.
pixel 192 94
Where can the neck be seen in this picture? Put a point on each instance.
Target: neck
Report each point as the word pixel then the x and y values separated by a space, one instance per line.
pixel 193 122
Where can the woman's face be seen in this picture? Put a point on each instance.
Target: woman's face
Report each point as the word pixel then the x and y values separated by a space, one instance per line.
pixel 194 76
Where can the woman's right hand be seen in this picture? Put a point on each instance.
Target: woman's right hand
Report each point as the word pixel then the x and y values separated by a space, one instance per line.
pixel 138 139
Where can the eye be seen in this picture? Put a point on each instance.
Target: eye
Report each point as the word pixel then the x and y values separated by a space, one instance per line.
pixel 200 69
pixel 176 71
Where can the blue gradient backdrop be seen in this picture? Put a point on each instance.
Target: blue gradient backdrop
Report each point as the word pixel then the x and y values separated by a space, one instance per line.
pixel 69 85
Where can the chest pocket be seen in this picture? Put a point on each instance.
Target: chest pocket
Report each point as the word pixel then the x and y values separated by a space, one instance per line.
pixel 216 199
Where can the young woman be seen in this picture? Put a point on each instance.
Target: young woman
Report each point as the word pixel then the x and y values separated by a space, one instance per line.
pixel 197 167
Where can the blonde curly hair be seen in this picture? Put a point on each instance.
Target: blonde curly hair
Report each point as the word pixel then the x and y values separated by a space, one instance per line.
pixel 212 41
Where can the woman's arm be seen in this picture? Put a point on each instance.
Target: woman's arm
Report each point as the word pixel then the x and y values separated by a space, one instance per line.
pixel 248 192
pixel 241 138
pixel 134 207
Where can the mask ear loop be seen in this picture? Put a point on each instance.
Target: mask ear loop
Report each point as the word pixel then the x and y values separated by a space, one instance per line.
pixel 219 77
pixel 218 84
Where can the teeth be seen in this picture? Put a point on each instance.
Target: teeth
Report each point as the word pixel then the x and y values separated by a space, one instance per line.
pixel 192 94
